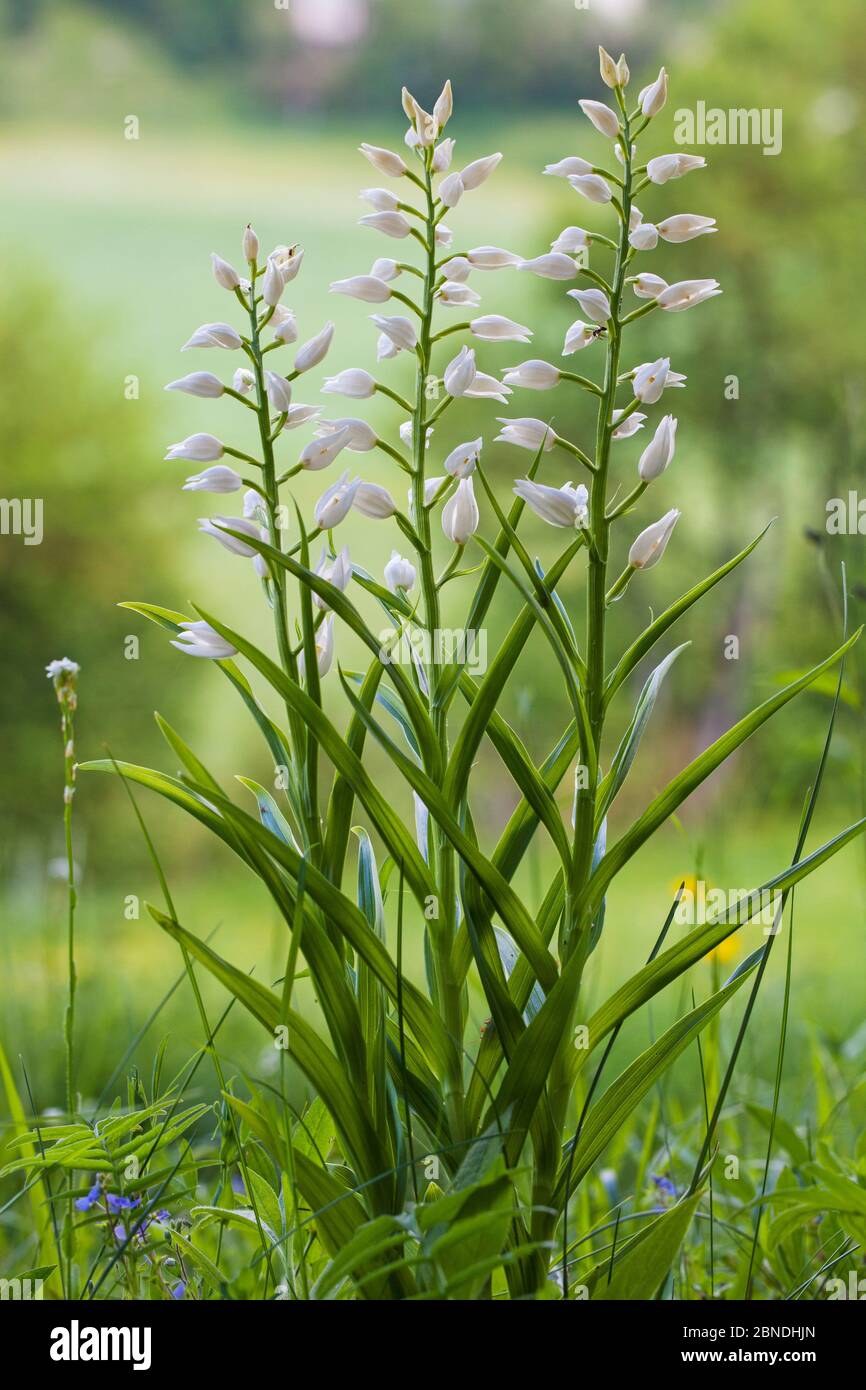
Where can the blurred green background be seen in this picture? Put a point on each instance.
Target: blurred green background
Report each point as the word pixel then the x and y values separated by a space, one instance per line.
pixel 253 112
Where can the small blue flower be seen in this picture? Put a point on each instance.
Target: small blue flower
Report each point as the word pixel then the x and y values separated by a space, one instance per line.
pixel 179 1289
pixel 117 1203
pixel 85 1203
pixel 119 1232
pixel 664 1185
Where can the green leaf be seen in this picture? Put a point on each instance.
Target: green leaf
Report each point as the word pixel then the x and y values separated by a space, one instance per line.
pixel 625 753
pixel 644 1261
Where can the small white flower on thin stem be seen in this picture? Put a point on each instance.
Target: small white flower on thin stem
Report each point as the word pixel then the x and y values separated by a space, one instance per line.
pixel 560 506
pixel 380 199
pixel 219 478
pixel 337 570
pixel 300 414
pixel 374 501
pixel 613 74
pixel 479 171
pixel 250 244
pixel 443 156
pixel 672 166
pixel 243 381
pixel 284 324
pixel 593 302
pixel 368 288
pixel 198 448
pixel 220 335
pixel 535 375
pixel 287 260
pixel 279 393
pixel 578 336
pixel 385 348
pixel 321 452
pixel 460 515
pixel 686 293
pixel 457 270
pixel 354 382
pixel 651 99
pixel 324 644
pixel 224 274
pixel 649 547
pixel 570 167
pixel 399 329
pixel 444 235
pixel 629 426
pixel 496 328
pixel 571 240
pixel 394 224
pixel 273 283
pixel 685 226
pixel 491 258
pixel 407 431
pixel 315 350
pixel 644 237
pixel 385 268
pixel 460 372
pixel 362 437
pixel 211 527
pixel 660 450
pixel 336 503
pixel 462 460
pixel 648 286
pixel 451 190
pixel 605 121
pixel 454 295
pixel 200 639
pixel 198 384
pixel 592 187
pixel 487 388
pixel 432 487
pixel 635 217
pixel 254 506
pixel 650 379
pixel 384 160
pixel 526 433
pixel 399 573
pixel 554 265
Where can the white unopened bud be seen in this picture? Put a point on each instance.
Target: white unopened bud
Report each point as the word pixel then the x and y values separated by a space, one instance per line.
pixel 393 224
pixel 374 501
pixel 224 274
pixel 199 448
pixel 250 244
pixel 399 573
pixel 451 190
pixel 335 504
pixel 279 393
pixel 660 451
pixel 272 283
pixel 535 375
pixel 220 335
pixel 321 452
pixel 461 462
pixel 592 186
pixel 198 384
pixel 496 328
pixel 314 351
pixel 460 372
pixel 570 167
pixel 526 433
pixel 380 199
pixel 650 545
pixel 554 265
pixel 384 160
pixel 442 156
pixel 684 226
pixel 559 506
pixel 399 329
pixel 460 515
pixel 479 171
pixel 219 478
pixel 604 120
pixel 593 302
pixel 354 382
pixel 366 287
pixel 650 379
pixel 652 98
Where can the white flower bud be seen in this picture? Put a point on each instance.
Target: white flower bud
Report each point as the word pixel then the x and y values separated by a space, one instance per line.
pixel 200 448
pixel 457 270
pixel 650 545
pixel 224 274
pixel 686 293
pixel 220 335
pixel 272 283
pixel 479 171
pixel 604 120
pixel 324 643
pixel 362 437
pixel 219 478
pixel 607 67
pixel 300 415
pixel 444 106
pixel 460 516
pixel 374 501
pixel 630 425
pixel 200 639
pixel 385 348
pixel 321 452
pixel 442 157
pixel 287 260
pixel 337 571
pixel 451 190
pixel 366 287
pixel 460 372
pixel 198 384
pixel 354 382
pixel 384 160
pixel 461 462
pixel 399 573
pixel 385 269
pixel 496 328
pixel 380 199
pixel 335 504
pixel 285 326
pixel 579 336
pixel 559 506
pixel 660 450
pixel 650 379
pixel 407 432
pixel 569 167
pixel 393 224
pixel 635 218
pixel 644 237
pixel 673 166
pixel 648 286
pixel 652 98
pixel 555 265
pixel 491 258
pixel 279 393
pixel 685 226
pixel 571 240
pixel 444 235
pixel 314 351
pixel 250 244
pixel 592 186
pixel 454 294
pixel 488 388
pixel 593 302
pixel 243 381
pixel 210 527
pixel 399 329
pixel 526 433
pixel 535 375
